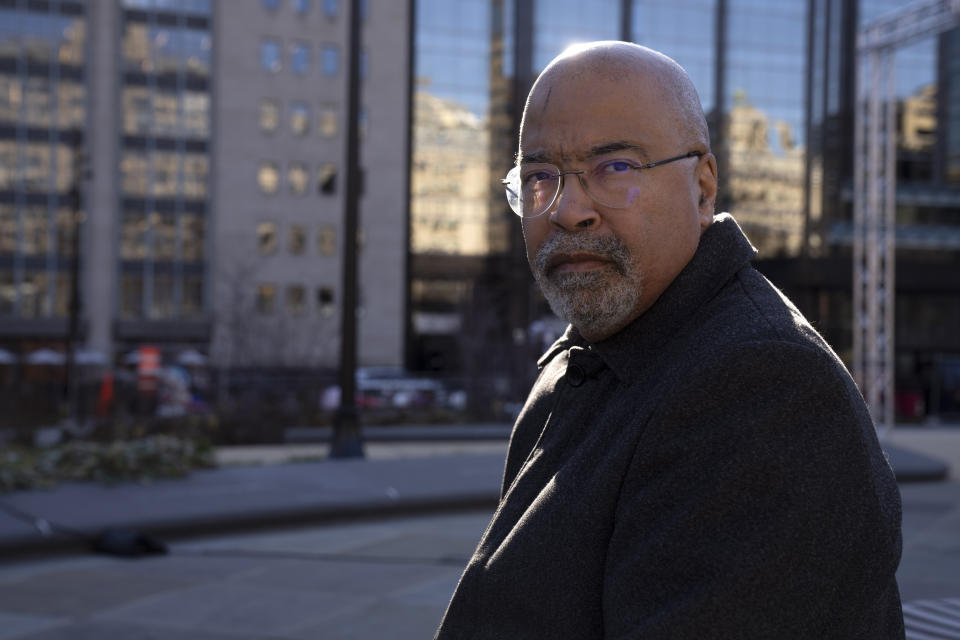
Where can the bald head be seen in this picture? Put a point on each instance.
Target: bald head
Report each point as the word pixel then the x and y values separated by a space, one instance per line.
pixel 641 70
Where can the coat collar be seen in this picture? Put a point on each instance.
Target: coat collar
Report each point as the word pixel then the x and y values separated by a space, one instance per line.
pixel 722 252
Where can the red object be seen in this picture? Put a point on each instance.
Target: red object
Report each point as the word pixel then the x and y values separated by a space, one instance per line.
pixel 105 399
pixel 148 366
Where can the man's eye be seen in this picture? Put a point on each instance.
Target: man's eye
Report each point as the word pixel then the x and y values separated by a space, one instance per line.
pixel 614 167
pixel 537 176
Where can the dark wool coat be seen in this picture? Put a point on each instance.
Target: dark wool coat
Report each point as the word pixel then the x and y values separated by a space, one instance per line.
pixel 711 471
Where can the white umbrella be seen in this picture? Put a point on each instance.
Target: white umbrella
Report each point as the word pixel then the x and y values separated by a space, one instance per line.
pixel 89 357
pixel 6 357
pixel 192 358
pixel 46 357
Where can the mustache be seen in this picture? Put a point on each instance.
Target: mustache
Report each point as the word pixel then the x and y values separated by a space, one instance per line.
pixel 609 247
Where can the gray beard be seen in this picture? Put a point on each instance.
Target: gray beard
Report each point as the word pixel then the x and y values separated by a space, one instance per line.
pixel 595 302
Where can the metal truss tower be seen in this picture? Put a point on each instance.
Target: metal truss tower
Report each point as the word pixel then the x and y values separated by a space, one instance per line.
pixel 874 203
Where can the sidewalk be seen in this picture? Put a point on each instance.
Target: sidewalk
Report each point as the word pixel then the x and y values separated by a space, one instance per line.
pixel 392 480
pixel 268 486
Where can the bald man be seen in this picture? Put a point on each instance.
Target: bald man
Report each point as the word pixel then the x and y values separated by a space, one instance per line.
pixel 693 461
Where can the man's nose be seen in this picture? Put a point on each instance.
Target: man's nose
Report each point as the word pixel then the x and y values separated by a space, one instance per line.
pixel 574 209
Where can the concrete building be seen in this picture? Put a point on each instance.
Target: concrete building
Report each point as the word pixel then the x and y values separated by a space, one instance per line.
pixel 214 134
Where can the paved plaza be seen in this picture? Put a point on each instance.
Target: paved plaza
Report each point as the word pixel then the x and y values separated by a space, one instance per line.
pixel 364 577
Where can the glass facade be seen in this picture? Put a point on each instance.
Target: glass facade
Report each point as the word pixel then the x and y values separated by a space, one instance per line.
pixel 950 56
pixel 561 23
pixel 461 146
pixel 764 141
pixel 43 108
pixel 164 162
pixel 776 81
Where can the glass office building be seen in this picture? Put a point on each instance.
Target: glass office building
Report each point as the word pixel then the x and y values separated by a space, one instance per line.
pixel 777 83
pixel 164 84
pixel 43 104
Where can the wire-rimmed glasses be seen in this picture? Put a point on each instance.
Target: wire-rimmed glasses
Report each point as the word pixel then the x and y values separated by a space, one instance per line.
pixel 533 187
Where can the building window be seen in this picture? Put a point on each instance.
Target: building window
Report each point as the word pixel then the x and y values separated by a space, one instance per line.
pixel 296 299
pixel 327 241
pixel 328 121
pixel 269 116
pixel 270 55
pixel 325 301
pixel 301 6
pixel 362 63
pixel 192 302
pixel 266 296
pixel 267 238
pixel 298 239
pixel 271 5
pixel 193 230
pixel 131 295
pixel 298 177
pixel 299 118
pixel 331 8
pixel 327 179
pixel 8 292
pixel 268 177
pixel 300 58
pixel 331 60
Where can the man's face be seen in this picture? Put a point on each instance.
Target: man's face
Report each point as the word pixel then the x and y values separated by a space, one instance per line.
pixel 601 267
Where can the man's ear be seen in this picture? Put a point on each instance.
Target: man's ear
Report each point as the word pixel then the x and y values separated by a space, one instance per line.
pixel 707 182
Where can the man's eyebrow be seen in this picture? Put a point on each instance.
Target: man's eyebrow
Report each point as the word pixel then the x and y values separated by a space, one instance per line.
pixel 617 145
pixel 536 156
pixel 597 150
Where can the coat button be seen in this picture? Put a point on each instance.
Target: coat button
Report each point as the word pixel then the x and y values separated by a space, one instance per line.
pixel 575 375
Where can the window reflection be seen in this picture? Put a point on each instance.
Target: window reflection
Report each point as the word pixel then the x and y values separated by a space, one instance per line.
pixel 136 110
pixel 327 178
pixel 268 177
pixel 298 178
pixel 133 172
pixel 270 55
pixel 266 295
pixel 39 102
pixel 164 236
pixel 192 301
pixel 269 116
pixel 71 104
pixel 296 299
pixel 300 58
pixel 196 113
pixel 325 301
pixel 327 241
pixel 196 168
pixel 331 59
pixel 133 236
pixel 64 232
pixel 33 294
pixel 155 49
pixel 193 230
pixel 299 118
pixel 35 231
pixel 162 306
pixel 11 96
pixel 298 239
pixel 8 292
pixel 328 121
pixel 267 238
pixel 8 229
pixel 131 295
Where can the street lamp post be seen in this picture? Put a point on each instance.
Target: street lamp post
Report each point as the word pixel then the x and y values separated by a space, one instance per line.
pixel 347 438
